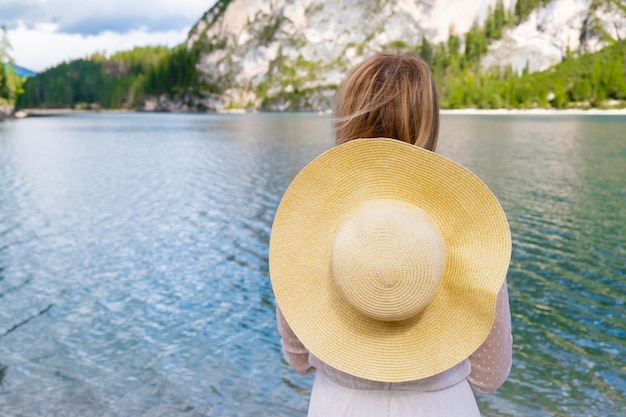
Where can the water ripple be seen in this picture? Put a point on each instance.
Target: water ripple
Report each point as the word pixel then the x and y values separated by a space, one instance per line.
pixel 134 261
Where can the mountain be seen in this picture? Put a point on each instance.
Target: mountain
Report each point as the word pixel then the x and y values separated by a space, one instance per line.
pixel 21 71
pixel 292 54
pixel 549 32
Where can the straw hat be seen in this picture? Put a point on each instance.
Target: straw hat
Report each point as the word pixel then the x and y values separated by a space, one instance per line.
pixel 386 259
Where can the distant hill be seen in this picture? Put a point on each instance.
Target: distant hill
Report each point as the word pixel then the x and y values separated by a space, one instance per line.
pixel 21 71
pixel 132 79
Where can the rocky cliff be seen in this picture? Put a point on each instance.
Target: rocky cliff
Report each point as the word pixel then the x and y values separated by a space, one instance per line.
pixel 544 38
pixel 292 54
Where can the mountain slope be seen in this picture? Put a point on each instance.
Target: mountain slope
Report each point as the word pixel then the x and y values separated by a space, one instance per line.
pixel 21 71
pixel 549 32
pixel 291 55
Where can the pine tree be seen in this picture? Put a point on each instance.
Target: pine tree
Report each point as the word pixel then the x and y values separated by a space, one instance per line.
pixel 10 83
pixel 426 51
pixel 5 59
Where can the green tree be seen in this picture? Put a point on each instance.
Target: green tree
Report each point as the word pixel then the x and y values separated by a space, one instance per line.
pixel 581 90
pixel 174 73
pixel 559 99
pixel 10 82
pixel 454 42
pixel 496 20
pixel 597 92
pixel 613 80
pixel 426 51
pixel 475 44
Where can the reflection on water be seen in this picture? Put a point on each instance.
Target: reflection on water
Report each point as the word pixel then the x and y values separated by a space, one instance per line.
pixel 133 261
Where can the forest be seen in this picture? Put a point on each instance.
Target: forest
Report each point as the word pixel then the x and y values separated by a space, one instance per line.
pixel 123 80
pixel 126 79
pixel 581 80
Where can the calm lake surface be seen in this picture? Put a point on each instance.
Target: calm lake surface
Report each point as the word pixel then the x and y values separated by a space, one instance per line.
pixel 134 277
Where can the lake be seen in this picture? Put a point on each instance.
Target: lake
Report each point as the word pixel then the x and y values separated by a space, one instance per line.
pixel 134 277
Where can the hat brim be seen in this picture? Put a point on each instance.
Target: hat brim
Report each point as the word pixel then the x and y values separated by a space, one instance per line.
pixel 324 194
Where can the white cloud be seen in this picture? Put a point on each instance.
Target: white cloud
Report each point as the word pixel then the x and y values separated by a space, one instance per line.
pixel 42 47
pixel 45 33
pixel 93 16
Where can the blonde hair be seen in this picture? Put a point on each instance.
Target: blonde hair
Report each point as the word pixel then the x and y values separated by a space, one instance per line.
pixel 388 95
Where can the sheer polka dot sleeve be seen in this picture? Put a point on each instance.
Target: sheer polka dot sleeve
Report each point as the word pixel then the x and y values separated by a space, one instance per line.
pixel 491 363
pixel 296 355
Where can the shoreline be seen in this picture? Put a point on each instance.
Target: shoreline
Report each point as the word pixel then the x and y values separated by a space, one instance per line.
pixel 533 112
pixel 22 113
pixel 444 112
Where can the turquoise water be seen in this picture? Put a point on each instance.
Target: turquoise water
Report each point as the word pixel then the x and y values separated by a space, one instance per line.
pixel 133 261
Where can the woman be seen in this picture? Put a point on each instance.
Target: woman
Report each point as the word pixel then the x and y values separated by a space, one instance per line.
pixel 394 96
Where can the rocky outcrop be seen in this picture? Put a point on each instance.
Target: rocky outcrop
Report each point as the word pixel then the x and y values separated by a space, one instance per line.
pixel 165 103
pixel 292 54
pixel 544 38
pixel 6 110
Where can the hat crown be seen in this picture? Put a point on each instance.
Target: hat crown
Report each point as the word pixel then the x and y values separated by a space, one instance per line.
pixel 387 259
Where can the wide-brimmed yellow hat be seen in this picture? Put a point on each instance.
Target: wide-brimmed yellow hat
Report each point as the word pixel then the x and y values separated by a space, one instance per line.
pixel 386 259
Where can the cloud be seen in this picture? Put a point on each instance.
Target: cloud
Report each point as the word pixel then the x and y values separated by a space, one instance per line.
pixel 90 17
pixel 43 47
pixel 11 11
pixel 97 24
pixel 44 33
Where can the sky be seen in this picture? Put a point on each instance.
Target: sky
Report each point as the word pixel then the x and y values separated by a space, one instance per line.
pixel 44 33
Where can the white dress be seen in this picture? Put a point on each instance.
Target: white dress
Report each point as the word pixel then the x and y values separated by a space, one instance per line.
pixel 448 394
